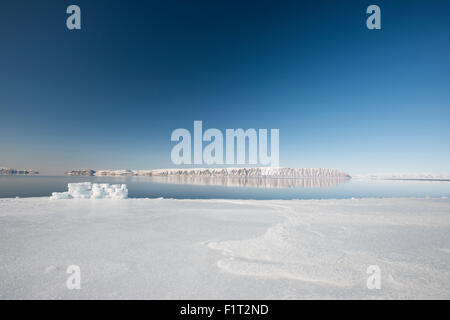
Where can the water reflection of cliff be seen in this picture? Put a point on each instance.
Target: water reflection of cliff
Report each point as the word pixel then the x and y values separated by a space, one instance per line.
pixel 254 182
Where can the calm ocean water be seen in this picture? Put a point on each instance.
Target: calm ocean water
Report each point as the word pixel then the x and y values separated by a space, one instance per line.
pixel 207 188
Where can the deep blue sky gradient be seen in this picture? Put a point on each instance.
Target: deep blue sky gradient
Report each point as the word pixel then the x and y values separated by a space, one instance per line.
pixel 110 95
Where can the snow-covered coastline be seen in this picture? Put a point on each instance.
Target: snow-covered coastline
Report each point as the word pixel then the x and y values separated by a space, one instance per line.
pixel 403 176
pixel 262 172
pixel 221 172
pixel 225 249
pixel 10 171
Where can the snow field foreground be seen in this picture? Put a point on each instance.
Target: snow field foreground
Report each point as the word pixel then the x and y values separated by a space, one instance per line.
pixel 225 249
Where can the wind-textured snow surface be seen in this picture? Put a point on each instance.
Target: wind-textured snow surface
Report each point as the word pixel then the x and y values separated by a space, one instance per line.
pixel 225 249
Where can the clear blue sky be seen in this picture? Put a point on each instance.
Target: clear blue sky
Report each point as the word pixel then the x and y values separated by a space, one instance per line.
pixel 109 96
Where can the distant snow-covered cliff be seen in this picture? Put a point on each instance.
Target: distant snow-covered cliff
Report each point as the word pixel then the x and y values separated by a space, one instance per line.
pixel 223 172
pixel 86 172
pixel 9 171
pixel 404 176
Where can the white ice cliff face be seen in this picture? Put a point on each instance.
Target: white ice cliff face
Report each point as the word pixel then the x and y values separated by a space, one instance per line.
pixel 87 190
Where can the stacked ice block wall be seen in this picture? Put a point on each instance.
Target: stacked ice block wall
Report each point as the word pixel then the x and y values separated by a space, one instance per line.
pixel 88 190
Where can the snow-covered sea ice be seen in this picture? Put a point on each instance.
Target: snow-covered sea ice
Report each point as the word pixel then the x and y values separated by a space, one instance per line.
pixel 224 249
